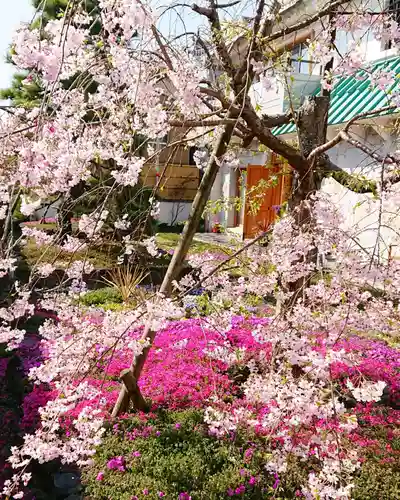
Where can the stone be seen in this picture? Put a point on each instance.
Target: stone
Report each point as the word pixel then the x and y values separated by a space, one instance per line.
pixel 66 481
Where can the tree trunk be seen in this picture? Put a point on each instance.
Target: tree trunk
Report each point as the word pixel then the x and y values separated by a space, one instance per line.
pixel 199 204
pixel 311 126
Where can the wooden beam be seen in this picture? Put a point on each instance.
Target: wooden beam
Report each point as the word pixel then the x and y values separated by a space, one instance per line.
pixel 295 39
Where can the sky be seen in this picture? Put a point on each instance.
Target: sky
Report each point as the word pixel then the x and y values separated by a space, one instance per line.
pixel 17 11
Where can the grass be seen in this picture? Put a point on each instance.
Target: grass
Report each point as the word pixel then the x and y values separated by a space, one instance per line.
pixel 101 257
pixel 104 255
pixel 169 241
pixel 45 226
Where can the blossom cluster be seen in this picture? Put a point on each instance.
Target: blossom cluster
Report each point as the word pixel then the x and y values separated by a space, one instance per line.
pixel 183 372
pixel 301 366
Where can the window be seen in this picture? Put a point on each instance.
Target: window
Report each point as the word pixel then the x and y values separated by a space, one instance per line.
pixel 394 10
pixel 300 60
pixel 191 156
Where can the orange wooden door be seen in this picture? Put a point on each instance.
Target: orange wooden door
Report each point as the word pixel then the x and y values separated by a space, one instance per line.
pixel 271 195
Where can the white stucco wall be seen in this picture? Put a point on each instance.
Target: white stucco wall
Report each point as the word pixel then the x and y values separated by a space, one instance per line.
pixel 268 101
pixel 172 212
pixel 370 47
pixel 363 210
pixel 47 212
pixel 216 194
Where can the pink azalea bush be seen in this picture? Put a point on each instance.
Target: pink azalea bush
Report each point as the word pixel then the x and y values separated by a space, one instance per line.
pixel 204 380
pixel 193 367
pixel 305 382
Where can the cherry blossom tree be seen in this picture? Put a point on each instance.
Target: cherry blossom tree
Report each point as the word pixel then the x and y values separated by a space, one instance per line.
pixel 130 79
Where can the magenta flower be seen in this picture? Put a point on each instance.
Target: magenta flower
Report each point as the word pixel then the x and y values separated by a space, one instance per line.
pixel 230 492
pixel 178 426
pixel 184 496
pixel 100 476
pixel 145 491
pixel 276 483
pixel 252 481
pixel 240 489
pixel 276 208
pixel 137 454
pixel 161 494
pixel 117 463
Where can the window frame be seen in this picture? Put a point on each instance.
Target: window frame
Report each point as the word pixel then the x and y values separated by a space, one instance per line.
pixel 297 62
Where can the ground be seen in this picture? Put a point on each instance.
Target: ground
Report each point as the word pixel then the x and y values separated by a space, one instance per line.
pixel 105 254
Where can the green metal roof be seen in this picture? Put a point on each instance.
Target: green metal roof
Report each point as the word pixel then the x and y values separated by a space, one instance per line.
pixel 352 96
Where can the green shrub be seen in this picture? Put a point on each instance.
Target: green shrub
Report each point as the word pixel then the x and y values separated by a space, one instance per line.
pixel 378 481
pixel 176 456
pixel 253 300
pixel 162 227
pixel 17 214
pixel 101 296
pixel 202 305
pixel 115 307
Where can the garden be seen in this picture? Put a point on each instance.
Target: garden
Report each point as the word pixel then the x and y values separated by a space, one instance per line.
pixel 211 422
pixel 139 361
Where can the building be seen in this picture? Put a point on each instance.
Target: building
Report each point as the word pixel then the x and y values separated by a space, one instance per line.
pixel 175 173
pixel 350 96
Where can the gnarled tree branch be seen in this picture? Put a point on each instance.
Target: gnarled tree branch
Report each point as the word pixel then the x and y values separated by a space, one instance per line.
pixel 340 137
pixel 202 123
pixel 388 159
pixel 268 139
pixel 331 7
pixel 272 121
pixel 213 17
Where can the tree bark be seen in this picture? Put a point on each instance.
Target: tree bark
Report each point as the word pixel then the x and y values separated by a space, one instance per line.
pixel 311 126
